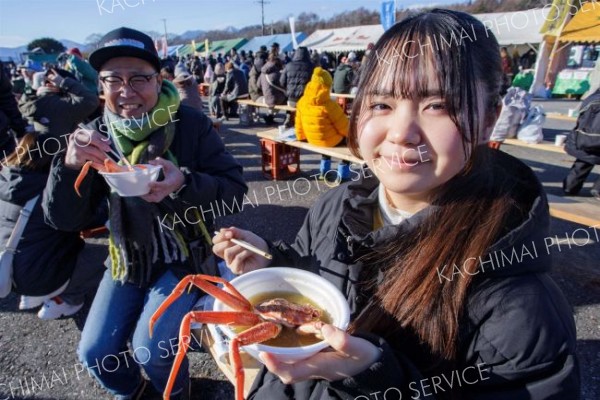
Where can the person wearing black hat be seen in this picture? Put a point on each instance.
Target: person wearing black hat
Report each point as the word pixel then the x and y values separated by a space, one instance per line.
pixel 156 239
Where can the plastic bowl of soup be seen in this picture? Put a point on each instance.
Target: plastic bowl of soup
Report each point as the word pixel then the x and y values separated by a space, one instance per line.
pixel 132 183
pixel 298 286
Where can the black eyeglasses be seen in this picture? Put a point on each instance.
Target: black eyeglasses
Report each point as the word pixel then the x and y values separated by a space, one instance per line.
pixel 136 82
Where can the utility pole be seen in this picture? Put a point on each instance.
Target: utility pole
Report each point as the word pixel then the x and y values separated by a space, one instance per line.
pixel 164 20
pixel 262 6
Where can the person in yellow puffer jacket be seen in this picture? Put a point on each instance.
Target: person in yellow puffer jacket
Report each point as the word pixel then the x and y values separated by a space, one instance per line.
pixel 321 121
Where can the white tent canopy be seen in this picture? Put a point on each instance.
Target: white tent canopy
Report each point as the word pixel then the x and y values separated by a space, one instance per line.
pixel 516 28
pixel 343 39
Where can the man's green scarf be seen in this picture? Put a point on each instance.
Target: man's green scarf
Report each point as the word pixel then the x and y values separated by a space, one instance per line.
pixel 139 247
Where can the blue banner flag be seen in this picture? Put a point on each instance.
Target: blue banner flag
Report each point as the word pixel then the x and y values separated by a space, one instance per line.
pixel 388 14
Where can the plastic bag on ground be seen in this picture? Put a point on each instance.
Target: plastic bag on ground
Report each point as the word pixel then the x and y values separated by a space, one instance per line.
pixel 531 129
pixel 515 107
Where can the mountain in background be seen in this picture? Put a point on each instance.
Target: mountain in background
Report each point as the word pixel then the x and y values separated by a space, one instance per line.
pixel 12 53
pixel 190 35
pixel 69 43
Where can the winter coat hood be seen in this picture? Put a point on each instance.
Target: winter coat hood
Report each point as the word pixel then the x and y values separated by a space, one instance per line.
pixel 319 87
pixel 270 67
pixel 301 54
pixel 319 119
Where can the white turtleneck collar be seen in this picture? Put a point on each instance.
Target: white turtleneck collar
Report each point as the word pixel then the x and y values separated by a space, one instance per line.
pixel 390 214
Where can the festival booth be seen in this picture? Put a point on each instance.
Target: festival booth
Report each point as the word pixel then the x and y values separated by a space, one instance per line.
pixel 519 32
pixel 583 33
pixel 179 50
pixel 340 40
pixel 218 46
pixel 285 40
pixel 223 46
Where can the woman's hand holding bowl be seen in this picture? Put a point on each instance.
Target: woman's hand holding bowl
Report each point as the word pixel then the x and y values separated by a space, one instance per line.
pixel 351 355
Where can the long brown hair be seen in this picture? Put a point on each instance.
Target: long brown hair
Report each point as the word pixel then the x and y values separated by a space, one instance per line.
pixel 470 210
pixel 29 154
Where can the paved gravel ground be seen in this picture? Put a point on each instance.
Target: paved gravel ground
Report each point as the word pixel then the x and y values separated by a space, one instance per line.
pixel 38 360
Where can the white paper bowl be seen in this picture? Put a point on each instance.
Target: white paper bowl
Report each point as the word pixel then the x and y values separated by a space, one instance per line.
pixel 279 279
pixel 132 183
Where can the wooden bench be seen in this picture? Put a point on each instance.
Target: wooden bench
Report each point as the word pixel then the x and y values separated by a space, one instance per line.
pixel 251 366
pixel 564 117
pixel 340 153
pixel 537 146
pixel 248 116
pixel 575 211
pixel 278 162
pixel 252 103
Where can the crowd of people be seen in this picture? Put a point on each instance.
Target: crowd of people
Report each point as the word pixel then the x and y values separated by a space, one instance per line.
pixel 380 240
pixel 267 75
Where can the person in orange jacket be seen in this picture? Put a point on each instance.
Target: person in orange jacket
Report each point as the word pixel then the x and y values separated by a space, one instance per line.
pixel 321 121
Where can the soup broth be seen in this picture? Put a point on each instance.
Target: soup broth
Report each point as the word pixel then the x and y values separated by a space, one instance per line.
pixel 288 336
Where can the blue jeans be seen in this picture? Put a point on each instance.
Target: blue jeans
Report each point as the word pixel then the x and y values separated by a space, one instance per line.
pixel 121 312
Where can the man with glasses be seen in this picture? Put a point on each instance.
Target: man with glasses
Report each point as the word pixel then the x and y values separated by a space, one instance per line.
pixel 150 246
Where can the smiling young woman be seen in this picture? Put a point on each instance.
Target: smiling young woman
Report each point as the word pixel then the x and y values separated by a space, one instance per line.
pixel 382 240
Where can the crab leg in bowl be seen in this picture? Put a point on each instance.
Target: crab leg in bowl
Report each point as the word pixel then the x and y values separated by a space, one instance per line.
pixel 265 322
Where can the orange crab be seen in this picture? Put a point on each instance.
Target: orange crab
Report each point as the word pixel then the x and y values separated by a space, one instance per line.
pixel 264 321
pixel 109 166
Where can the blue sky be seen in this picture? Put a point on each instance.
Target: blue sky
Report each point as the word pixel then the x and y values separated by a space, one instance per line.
pixel 24 20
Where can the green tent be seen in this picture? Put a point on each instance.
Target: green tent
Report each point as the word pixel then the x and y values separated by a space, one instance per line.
pixel 223 46
pixel 185 50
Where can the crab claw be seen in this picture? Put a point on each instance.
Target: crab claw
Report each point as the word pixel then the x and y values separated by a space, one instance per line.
pixel 84 171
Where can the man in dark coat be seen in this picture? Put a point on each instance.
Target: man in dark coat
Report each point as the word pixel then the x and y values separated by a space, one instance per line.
pixel 236 87
pixel 584 144
pixel 296 75
pixel 260 58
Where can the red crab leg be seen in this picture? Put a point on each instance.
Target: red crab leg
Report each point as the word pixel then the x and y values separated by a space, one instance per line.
pixel 231 297
pixel 84 171
pixel 242 318
pixel 256 334
pixel 111 166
